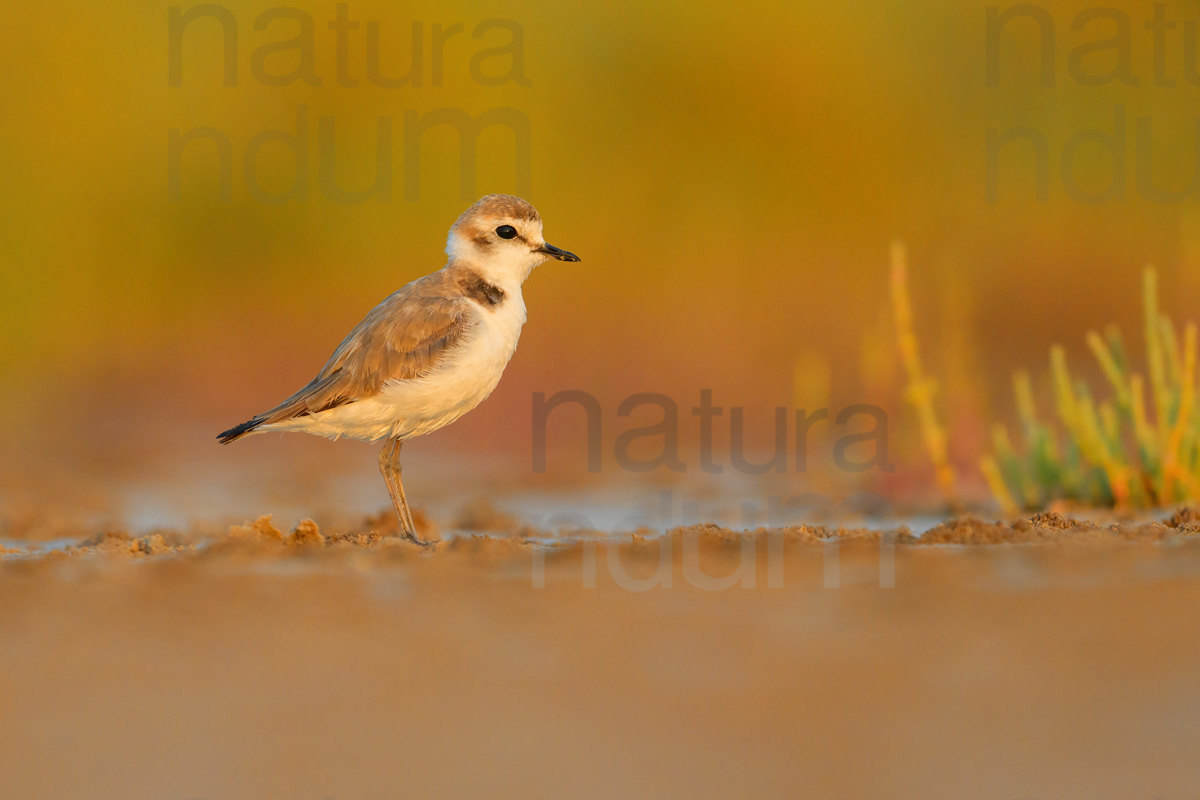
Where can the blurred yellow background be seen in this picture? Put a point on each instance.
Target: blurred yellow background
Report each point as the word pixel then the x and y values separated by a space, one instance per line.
pixel 731 174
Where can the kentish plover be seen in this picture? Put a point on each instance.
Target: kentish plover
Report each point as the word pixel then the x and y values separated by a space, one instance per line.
pixel 432 351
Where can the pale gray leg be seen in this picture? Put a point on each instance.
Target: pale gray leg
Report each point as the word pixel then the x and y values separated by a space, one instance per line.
pixel 385 469
pixel 389 465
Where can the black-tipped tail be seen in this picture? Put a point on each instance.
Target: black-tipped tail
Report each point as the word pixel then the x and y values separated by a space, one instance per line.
pixel 238 431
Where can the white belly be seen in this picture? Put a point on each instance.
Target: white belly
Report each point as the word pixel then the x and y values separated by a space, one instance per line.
pixel 419 406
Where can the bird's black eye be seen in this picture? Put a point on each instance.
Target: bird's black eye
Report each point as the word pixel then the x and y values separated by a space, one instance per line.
pixel 506 231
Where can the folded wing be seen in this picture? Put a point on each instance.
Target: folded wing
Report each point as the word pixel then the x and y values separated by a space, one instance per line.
pixel 402 338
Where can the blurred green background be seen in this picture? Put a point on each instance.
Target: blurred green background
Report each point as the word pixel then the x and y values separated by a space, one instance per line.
pixel 732 175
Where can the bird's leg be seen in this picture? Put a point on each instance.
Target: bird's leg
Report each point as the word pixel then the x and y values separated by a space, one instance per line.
pixel 387 469
pixel 396 470
pixel 391 452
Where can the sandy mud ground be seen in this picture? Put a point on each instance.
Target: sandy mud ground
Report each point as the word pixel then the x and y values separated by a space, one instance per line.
pixel 1039 660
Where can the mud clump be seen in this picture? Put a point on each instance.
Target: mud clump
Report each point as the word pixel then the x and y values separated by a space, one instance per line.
pixel 257 537
pixel 1051 528
pixel 974 531
pixel 121 543
pixel 152 545
pixel 357 538
pixel 109 541
pixel 1057 522
pixel 1186 518
pixel 306 534
pixel 261 531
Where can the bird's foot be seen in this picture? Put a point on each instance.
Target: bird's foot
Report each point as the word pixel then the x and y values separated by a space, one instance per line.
pixel 412 537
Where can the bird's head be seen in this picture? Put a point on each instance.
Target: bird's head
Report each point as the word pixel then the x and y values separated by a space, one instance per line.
pixel 501 235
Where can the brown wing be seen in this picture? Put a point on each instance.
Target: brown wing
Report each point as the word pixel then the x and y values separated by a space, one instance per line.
pixel 403 337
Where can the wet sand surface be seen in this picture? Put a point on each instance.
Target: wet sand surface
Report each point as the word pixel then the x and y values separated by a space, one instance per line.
pixel 1045 659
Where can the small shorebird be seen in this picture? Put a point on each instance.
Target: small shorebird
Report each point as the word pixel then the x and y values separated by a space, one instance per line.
pixel 429 353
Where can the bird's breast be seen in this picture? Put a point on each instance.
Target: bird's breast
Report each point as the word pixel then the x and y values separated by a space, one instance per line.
pixel 465 377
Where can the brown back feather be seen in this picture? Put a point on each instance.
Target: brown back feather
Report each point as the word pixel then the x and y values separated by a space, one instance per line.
pixel 402 338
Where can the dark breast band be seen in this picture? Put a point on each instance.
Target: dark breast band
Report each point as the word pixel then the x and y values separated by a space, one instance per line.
pixel 479 290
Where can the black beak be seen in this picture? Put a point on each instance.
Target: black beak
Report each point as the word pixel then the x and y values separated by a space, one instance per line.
pixel 554 252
